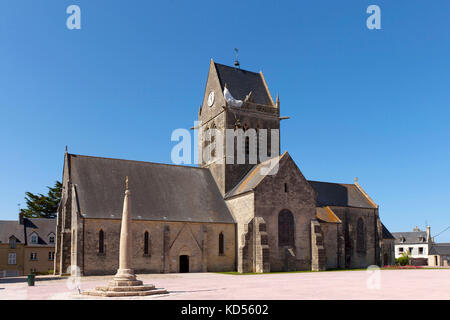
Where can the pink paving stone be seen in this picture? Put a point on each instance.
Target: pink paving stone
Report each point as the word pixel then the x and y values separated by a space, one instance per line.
pixel 393 284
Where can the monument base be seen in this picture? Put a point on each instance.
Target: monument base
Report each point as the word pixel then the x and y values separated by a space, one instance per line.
pixel 125 288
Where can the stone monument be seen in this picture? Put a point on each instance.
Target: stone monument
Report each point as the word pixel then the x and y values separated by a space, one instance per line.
pixel 125 283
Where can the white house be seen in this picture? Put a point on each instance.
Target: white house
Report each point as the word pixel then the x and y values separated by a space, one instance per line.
pixel 415 244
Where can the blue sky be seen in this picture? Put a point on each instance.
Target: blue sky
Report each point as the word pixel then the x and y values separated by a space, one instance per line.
pixel 372 104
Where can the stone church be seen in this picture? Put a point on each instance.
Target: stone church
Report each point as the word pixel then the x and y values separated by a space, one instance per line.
pixel 219 216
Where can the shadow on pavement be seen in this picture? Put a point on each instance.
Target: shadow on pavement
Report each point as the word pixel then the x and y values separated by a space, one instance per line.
pixel 24 279
pixel 184 291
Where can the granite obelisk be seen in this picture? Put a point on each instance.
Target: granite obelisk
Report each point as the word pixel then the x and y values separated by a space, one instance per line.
pixel 125 272
pixel 125 282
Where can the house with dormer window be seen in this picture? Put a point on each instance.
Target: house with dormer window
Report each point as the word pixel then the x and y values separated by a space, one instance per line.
pixel 416 244
pixel 27 246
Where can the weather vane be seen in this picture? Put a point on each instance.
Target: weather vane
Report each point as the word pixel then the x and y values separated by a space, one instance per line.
pixel 236 63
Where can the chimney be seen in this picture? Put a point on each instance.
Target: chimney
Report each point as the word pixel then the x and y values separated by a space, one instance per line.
pixel 428 234
pixel 21 218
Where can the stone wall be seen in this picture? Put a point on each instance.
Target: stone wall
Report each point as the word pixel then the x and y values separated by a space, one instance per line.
pixel 254 252
pixel 333 240
pixel 242 209
pixel 349 217
pixel 168 240
pixel 387 252
pixel 318 253
pixel 63 245
pixel 287 190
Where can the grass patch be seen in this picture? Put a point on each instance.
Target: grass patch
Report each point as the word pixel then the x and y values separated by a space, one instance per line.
pixel 235 273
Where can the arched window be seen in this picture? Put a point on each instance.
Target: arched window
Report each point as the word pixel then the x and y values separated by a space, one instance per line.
pixel 101 242
pixel 221 244
pixel 360 236
pixel 212 134
pixel 286 228
pixel 247 145
pixel 146 243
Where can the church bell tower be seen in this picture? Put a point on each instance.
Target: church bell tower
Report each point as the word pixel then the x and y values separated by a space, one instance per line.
pixel 238 100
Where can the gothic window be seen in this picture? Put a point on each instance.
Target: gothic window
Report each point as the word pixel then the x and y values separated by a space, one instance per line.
pixel 286 228
pixel 146 243
pixel 360 236
pixel 101 242
pixel 247 145
pixel 221 244
pixel 213 140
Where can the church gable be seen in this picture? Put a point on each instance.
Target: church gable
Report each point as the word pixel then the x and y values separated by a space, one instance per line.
pixel 289 180
pixel 213 98
pixel 276 175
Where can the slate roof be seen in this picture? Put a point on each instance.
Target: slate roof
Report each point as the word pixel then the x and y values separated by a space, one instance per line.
pixel 240 82
pixel 158 191
pixel 386 233
pixel 327 215
pixel 11 228
pixel 410 237
pixel 340 195
pixel 42 227
pixel 440 249
pixel 253 177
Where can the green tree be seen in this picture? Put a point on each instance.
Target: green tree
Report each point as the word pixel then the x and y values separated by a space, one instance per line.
pixel 43 206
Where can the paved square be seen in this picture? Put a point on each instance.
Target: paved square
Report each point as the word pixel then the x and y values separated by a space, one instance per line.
pixel 393 284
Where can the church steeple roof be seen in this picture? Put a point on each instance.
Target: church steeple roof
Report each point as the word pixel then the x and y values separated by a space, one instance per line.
pixel 241 82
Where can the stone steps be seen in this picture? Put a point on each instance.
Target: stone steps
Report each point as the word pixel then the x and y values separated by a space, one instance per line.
pixel 108 293
pixel 129 288
pixel 125 283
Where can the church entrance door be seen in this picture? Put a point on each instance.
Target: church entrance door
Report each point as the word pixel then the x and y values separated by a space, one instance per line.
pixel 184 263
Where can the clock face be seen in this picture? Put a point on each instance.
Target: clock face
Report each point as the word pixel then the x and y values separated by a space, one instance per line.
pixel 211 99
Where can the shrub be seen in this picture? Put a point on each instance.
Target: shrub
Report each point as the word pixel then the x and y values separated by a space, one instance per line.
pixel 402 261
